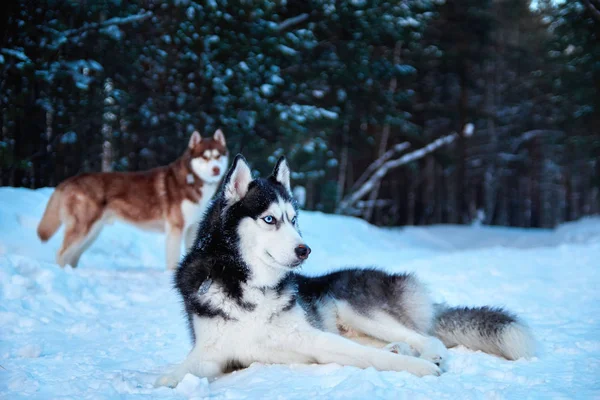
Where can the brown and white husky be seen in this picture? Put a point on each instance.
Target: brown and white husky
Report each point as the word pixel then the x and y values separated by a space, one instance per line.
pixel 170 199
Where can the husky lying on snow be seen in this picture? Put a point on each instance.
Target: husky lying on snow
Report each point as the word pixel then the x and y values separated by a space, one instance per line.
pixel 246 303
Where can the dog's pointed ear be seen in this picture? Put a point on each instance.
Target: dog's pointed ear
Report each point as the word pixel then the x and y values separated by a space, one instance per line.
pixel 219 137
pixel 237 180
pixel 281 173
pixel 195 140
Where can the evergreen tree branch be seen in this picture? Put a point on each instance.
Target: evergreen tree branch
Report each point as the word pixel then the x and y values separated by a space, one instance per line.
pixel 47 149
pixel 291 22
pixel 16 54
pixel 94 26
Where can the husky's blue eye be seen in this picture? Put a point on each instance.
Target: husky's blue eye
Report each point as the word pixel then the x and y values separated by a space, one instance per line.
pixel 269 219
pixel 294 220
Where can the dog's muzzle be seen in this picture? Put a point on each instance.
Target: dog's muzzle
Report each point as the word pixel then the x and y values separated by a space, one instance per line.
pixel 302 251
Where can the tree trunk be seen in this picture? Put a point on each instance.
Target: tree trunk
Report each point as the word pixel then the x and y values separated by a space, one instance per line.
pixel 451 197
pixel 343 164
pixel 428 197
pixel 310 197
pixel 503 211
pixel 438 199
pixel 20 142
pixel 490 178
pixel 536 175
pixel 460 192
pixel 411 198
pixel 385 135
pixel 107 129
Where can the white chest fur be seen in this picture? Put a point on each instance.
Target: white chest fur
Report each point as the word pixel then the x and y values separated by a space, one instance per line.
pixel 248 335
pixel 193 212
pixel 261 306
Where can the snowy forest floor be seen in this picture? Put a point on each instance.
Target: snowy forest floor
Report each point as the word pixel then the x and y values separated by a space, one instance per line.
pixel 108 328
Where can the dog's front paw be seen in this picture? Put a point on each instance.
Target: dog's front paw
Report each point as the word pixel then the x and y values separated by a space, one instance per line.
pixel 435 351
pixel 168 380
pixel 421 367
pixel 401 348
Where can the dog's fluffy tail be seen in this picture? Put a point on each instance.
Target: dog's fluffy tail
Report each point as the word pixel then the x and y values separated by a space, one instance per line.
pixel 51 220
pixel 491 330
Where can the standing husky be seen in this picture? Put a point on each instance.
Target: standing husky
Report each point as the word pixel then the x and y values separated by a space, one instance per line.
pixel 172 198
pixel 246 303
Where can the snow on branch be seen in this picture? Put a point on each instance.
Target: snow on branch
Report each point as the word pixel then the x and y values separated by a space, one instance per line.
pixel 63 37
pixel 16 54
pixel 288 23
pixel 355 195
pixel 468 130
pixel 529 135
pixel 94 26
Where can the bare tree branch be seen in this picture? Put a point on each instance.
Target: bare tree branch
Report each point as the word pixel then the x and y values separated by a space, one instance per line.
pixel 527 136
pixel 400 147
pixel 351 198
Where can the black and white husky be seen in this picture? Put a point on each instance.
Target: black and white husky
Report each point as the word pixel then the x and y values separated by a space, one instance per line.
pixel 246 302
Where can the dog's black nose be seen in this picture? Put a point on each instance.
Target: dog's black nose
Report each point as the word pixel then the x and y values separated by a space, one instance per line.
pixel 302 251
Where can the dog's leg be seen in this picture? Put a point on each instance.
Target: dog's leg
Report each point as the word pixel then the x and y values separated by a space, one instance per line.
pixel 82 225
pixel 73 236
pixel 401 348
pixel 394 347
pixel 87 241
pixel 193 364
pixel 367 341
pixel 429 347
pixel 325 347
pixel 384 327
pixel 173 246
pixel 79 235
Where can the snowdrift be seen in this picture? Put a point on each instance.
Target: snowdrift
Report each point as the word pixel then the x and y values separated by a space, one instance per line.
pixel 110 327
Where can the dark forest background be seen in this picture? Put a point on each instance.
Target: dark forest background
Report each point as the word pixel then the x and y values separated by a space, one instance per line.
pixel 400 112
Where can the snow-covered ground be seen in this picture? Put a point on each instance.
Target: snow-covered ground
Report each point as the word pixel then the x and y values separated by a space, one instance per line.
pixel 108 328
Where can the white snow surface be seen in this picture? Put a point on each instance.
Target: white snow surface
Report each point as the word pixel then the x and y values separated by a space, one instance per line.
pixel 108 328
